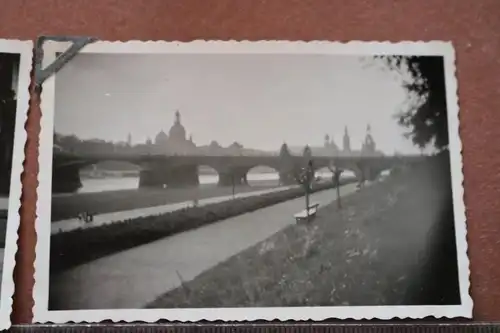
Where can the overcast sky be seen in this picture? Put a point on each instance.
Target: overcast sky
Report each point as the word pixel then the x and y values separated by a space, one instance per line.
pixel 259 101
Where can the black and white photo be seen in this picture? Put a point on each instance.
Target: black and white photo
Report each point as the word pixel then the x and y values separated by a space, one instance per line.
pixel 251 180
pixel 15 66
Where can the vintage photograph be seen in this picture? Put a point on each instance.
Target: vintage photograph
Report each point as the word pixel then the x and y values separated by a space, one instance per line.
pixel 251 180
pixel 15 65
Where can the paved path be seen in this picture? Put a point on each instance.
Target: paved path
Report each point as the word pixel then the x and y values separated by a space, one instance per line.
pixel 133 278
pixel 107 218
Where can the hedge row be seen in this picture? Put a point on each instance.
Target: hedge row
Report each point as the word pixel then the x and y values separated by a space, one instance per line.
pixel 72 248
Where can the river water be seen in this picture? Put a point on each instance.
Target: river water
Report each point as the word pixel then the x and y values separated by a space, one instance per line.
pixel 92 185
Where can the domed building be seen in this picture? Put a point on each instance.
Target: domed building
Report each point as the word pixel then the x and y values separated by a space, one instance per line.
pixel 214 145
pixel 369 144
pixel 177 131
pixel 161 138
pixel 330 145
pixel 175 142
pixel 330 148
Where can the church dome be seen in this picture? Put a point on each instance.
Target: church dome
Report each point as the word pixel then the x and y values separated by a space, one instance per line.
pixel 177 131
pixel 214 144
pixel 161 138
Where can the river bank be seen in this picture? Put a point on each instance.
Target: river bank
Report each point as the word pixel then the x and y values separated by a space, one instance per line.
pixel 100 220
pixel 392 243
pixel 119 236
pixel 69 206
pixel 132 278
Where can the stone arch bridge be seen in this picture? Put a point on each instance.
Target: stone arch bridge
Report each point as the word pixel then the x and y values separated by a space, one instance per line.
pixel 182 170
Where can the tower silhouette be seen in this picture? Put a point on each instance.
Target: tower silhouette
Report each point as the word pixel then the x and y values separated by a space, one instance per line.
pixel 177 117
pixel 346 140
pixel 369 144
pixel 327 140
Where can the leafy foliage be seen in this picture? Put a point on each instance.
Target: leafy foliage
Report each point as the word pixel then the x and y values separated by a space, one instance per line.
pixel 307 153
pixel 336 173
pixel 426 114
pixel 305 177
pixel 285 151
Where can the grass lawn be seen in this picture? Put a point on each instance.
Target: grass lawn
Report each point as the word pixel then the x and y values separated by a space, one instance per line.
pixel 391 244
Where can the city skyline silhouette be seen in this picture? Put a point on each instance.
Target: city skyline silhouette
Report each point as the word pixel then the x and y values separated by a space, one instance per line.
pixel 259 101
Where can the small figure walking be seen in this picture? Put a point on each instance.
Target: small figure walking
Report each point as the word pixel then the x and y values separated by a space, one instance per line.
pixel 86 217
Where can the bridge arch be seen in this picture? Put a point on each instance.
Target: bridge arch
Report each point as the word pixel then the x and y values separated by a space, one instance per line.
pixel 72 175
pixel 109 175
pixel 369 170
pixel 207 175
pixel 263 175
pixel 325 174
pixel 110 168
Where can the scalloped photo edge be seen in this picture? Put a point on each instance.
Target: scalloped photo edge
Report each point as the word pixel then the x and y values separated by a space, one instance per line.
pixel 25 51
pixel 41 311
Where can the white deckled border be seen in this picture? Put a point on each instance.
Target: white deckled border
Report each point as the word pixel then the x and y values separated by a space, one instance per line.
pixel 25 50
pixel 445 49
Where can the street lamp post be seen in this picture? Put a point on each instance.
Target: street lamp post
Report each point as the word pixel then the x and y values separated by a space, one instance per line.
pixel 233 184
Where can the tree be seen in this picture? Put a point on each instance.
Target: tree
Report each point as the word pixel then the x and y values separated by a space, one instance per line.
pixel 287 166
pixel 336 173
pixel 70 143
pixel 307 153
pixel 426 114
pixel 285 151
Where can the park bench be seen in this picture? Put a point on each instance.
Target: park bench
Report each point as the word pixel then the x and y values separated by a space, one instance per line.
pixel 303 215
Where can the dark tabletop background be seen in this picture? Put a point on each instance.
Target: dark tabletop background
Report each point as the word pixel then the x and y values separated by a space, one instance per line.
pixel 473 27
